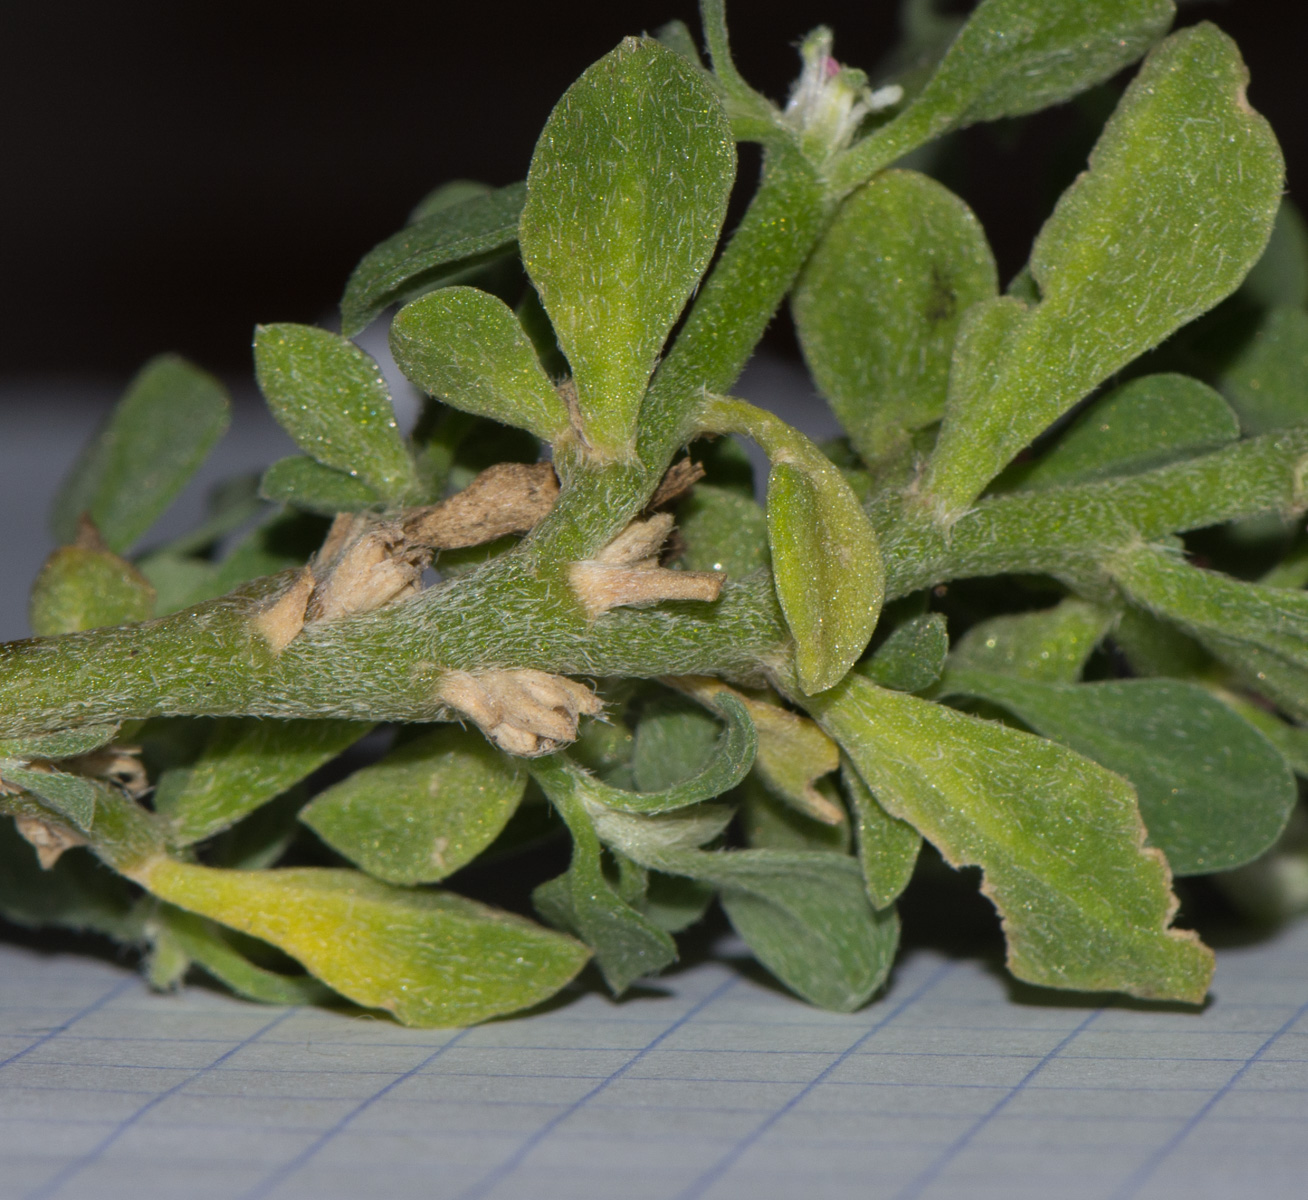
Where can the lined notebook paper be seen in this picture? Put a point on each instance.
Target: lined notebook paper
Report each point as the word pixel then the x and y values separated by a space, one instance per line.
pixel 707 1084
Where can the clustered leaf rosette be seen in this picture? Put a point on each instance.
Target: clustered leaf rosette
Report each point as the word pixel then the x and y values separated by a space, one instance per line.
pixel 711 698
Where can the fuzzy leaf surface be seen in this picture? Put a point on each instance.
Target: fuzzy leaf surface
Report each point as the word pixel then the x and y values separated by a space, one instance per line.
pixel 1259 631
pixel 625 199
pixel 306 484
pixel 81 588
pixel 1213 791
pixel 467 347
pixel 912 657
pixel 730 762
pixel 627 946
pixel 1267 383
pixel 826 564
pixel 429 807
pixel 71 796
pixel 1280 277
pixel 879 303
pixel 430 958
pixel 1048 646
pixel 65 744
pixel 887 847
pixel 245 762
pixel 1144 424
pixel 203 942
pixel 806 917
pixel 443 239
pixel 163 428
pixel 331 398
pixel 1177 205
pixel 1084 905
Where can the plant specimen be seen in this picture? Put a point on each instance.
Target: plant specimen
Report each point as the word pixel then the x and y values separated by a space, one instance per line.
pixel 715 699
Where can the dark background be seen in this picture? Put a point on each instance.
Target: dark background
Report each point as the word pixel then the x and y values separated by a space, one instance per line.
pixel 175 172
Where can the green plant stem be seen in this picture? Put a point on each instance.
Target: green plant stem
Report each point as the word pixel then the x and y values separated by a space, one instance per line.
pixel 786 217
pixel 1068 531
pixel 386 665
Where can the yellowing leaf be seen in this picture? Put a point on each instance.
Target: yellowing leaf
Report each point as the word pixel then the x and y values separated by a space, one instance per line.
pixel 429 957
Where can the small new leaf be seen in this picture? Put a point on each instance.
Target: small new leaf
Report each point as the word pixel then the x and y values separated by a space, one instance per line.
pixel 445 240
pixel 331 398
pixel 468 348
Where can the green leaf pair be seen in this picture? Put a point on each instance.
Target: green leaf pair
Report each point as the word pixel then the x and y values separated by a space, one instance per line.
pixel 625 200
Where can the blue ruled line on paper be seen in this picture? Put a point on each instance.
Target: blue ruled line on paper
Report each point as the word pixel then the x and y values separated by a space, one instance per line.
pixel 721 1089
pixel 515 1160
pixel 724 1164
pixel 1150 1166
pixel 78 1165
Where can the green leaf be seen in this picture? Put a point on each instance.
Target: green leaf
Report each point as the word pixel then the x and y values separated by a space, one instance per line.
pixel 444 238
pixel 912 657
pixel 674 903
pixel 77 892
pixel 1059 838
pixel 430 806
pixel 1143 242
pixel 817 584
pixel 627 946
pixel 1260 632
pixel 331 398
pixel 805 916
pixel 793 753
pixel 730 762
pixel 163 428
pixel 723 531
pixel 826 565
pixel 67 743
pixel 1280 277
pixel 675 740
pixel 1213 791
pixel 887 847
pixel 1266 382
pixel 81 588
pixel 879 303
pixel 769 822
pixel 1014 57
pixel 305 483
pixel 204 942
pixel 431 958
pixel 625 199
pixel 467 347
pixel 1050 646
pixel 71 796
pixel 1144 424
pixel 231 504
pixel 447 195
pixel 245 762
